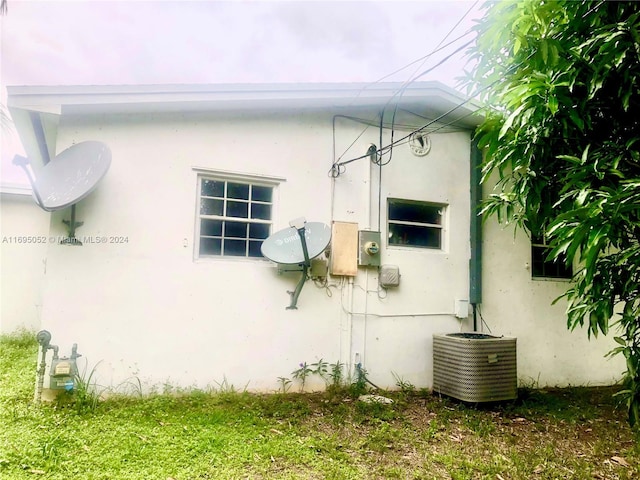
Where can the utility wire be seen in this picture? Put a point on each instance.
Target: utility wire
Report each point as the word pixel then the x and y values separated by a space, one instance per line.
pixel 436 50
pixel 402 89
pixel 375 122
pixel 336 172
pixel 447 36
pixel 338 167
pixel 422 128
pixel 383 150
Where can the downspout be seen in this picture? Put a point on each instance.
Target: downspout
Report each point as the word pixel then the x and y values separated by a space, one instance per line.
pixel 475 260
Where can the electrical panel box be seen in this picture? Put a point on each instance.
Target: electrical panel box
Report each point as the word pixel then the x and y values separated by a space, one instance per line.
pixel 368 248
pixel 389 276
pixel 344 249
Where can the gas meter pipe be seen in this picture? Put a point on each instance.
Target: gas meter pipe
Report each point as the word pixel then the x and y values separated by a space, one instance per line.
pixel 43 337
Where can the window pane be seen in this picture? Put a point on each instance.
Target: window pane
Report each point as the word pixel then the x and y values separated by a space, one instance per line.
pixel 541 267
pixel 236 248
pixel 537 261
pixel 210 246
pixel 210 228
pixel 212 188
pixel 235 229
pixel 415 212
pixel 237 209
pixel 258 230
pixel 564 271
pixel 209 206
pixel 238 190
pixel 254 248
pixel 242 217
pixel 415 236
pixel 263 212
pixel 261 194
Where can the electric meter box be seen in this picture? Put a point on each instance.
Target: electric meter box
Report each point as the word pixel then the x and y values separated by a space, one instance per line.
pixel 368 248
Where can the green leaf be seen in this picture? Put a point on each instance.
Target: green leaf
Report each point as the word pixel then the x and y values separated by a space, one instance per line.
pixel 516 45
pixel 552 103
pixel 544 50
pixel 507 124
pixel 569 158
pixel 575 118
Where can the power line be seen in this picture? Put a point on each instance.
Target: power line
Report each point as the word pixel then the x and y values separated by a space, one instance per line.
pixel 401 90
pixel 338 166
pixel 382 150
pixel 336 171
pixel 449 33
pixel 422 59
pixel 430 54
pixel 412 79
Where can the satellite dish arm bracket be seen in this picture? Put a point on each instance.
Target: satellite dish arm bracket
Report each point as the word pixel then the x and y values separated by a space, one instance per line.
pixel 72 224
pixel 305 267
pixel 296 293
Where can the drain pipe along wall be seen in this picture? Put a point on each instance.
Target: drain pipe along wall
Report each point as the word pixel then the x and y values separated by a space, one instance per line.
pixel 475 260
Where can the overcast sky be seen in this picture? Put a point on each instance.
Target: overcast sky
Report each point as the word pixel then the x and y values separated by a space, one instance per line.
pixel 51 42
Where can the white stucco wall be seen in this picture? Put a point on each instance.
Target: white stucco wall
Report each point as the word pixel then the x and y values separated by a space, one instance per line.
pixel 24 237
pixel 514 304
pixel 393 335
pixel 146 308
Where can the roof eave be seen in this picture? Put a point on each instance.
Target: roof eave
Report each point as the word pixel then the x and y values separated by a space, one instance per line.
pixel 36 109
pixel 159 98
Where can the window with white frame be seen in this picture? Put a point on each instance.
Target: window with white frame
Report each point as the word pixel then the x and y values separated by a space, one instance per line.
pixel 234 217
pixel 415 224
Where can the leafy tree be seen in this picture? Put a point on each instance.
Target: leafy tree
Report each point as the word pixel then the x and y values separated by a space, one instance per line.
pixel 562 138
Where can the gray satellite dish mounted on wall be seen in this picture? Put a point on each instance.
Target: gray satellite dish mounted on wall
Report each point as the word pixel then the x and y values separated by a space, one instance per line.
pixel 297 245
pixel 68 178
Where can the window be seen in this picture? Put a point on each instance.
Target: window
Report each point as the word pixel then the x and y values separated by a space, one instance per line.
pixel 543 268
pixel 415 224
pixel 234 217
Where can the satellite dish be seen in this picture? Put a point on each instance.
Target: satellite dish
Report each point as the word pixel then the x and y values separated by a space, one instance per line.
pixel 297 245
pixel 285 246
pixel 70 176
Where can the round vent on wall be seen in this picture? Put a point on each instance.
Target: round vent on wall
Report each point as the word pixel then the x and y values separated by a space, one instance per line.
pixel 420 144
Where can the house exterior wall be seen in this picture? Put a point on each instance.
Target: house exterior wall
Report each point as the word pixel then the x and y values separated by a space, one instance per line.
pixel 516 305
pixel 24 232
pixel 146 308
pixel 140 306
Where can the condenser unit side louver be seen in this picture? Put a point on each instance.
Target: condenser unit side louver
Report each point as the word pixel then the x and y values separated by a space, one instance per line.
pixel 475 367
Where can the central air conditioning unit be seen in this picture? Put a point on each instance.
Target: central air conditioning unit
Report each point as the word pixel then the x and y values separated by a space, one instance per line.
pixel 475 367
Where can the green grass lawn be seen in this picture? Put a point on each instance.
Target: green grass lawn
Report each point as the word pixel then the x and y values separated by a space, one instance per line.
pixel 550 434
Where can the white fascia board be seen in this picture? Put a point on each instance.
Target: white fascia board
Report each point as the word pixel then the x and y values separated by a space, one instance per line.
pixel 15 189
pixel 166 98
pixel 49 102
